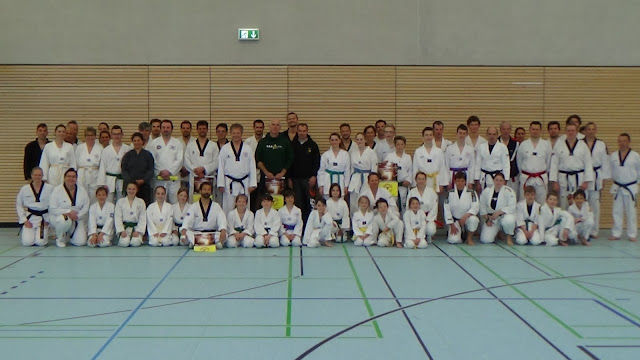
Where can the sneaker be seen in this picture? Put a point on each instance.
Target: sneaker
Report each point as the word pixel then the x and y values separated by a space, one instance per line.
pixel 60 243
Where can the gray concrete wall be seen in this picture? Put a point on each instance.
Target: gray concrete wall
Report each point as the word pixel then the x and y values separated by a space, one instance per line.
pixel 391 32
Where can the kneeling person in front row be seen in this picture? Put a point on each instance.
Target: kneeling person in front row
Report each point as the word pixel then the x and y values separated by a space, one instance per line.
pixel 583 218
pixel 160 220
pixel 321 229
pixel 461 207
pixel 205 223
pixel 68 208
pixel 527 219
pixel 101 220
pixel 131 218
pixel 240 224
pixel 387 227
pixel 32 205
pixel 362 223
pixel 498 209
pixel 291 219
pixel 555 223
pixel 267 224
pixel 415 226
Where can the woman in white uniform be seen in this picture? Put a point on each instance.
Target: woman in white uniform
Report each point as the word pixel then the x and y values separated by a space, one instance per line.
pixel 160 220
pixel 57 157
pixel 101 219
pixel 428 202
pixel 32 206
pixel 68 210
pixel 498 211
pixel 179 211
pixel 240 224
pixel 267 224
pixel 364 161
pixel 335 167
pixel 88 160
pixel 131 218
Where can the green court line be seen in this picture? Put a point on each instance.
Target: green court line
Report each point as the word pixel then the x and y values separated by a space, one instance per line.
pixel 9 249
pixel 289 292
pixel 540 307
pixel 362 293
pixel 577 283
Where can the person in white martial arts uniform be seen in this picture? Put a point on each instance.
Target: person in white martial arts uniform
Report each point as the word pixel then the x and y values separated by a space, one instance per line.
pixel 375 192
pixel 460 157
pixel 571 166
pixel 438 139
pixel 320 228
pixel 335 167
pixel 601 169
pixel 110 172
pixel 346 143
pixel 168 155
pixel 236 169
pixel 492 158
pixel 362 223
pixel 513 180
pixel 205 218
pixel 160 220
pixel 461 207
pixel 625 171
pixel 386 146
pixel 57 157
pixel 415 226
pixel 179 211
pixel 339 211
pixel 240 223
pixel 201 159
pixel 88 160
pixel 498 211
pixel 430 160
pixel 577 121
pixel 364 161
pixel 101 220
pixel 71 134
pixel 527 219
pixel 186 139
pixel 131 218
pixel 68 210
pixel 554 223
pixel 104 138
pixel 404 165
pixel 474 139
pixel 267 224
pixel 379 128
pixel 370 136
pixel 291 219
pixel 553 128
pixel 32 206
pixel 583 218
pixel 534 161
pixel 387 226
pixel 428 200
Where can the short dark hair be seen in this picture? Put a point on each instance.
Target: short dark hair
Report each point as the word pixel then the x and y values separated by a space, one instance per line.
pixel 303 124
pixel 460 175
pixel 520 128
pixel 258 121
pixel 222 125
pixel 335 185
pixel 382 201
pixel 574 116
pixel 401 138
pixel 625 135
pixel 551 123
pixel 202 123
pixel 72 122
pixel 462 127
pixel 499 174
pixel 288 193
pixel 345 125
pixel 41 125
pixel 381 121
pixel 372 174
pixel 437 122
pixel 529 189
pixel 103 123
pixel 428 128
pixel 117 127
pixel 292 113
pixel 535 123
pixel 186 122
pixel 552 193
pixel 155 121
pixel 167 121
pixel 137 134
pixel 473 119
pixel 579 192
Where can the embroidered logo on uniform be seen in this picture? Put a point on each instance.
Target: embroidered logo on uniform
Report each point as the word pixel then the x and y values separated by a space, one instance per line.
pixel 111 215
pixel 188 214
pixel 161 220
pixel 429 160
pixel 61 159
pixel 159 147
pixel 89 160
pixel 131 213
pixel 534 154
pixel 99 217
pixel 172 147
pixel 335 164
pixel 117 159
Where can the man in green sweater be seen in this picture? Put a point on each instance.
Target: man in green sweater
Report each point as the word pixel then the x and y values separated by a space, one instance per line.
pixel 274 155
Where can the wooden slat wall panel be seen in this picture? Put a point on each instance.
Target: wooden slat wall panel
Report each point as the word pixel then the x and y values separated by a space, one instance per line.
pixel 56 94
pixel 180 93
pixel 245 93
pixel 610 97
pixel 326 96
pixel 452 94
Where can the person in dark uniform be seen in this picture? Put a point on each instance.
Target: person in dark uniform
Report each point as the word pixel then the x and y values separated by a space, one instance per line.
pixel 33 150
pixel 303 171
pixel 137 167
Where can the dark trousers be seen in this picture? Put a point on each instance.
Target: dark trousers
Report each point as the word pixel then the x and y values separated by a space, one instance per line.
pixel 303 199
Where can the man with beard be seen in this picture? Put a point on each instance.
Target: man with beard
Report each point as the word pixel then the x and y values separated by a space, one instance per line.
pixel 205 223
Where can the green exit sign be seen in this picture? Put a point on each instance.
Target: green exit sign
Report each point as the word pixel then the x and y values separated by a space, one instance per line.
pixel 248 34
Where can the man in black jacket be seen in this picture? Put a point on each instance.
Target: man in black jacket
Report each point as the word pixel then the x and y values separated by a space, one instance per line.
pixel 303 172
pixel 33 150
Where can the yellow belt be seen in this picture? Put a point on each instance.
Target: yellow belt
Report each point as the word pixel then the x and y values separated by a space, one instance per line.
pixel 434 176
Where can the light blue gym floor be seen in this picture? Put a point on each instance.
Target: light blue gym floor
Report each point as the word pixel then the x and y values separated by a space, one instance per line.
pixel 445 302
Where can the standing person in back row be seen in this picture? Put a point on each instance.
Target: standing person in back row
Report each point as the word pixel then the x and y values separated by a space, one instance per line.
pixel 57 157
pixel 168 156
pixel 534 160
pixel 512 145
pixel 492 158
pixel 33 150
pixel 474 139
pixel 236 169
pixel 625 170
pixel 274 155
pixel 601 170
pixel 304 171
pixel 292 126
pixel 110 171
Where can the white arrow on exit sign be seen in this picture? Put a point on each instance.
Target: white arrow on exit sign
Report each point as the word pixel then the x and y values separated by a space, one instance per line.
pixel 248 34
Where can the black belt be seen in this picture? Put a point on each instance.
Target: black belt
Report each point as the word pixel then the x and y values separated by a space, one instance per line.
pixel 33 212
pixel 207 231
pixel 492 173
pixel 572 173
pixel 238 180
pixel 626 187
pixel 176 224
pixel 595 184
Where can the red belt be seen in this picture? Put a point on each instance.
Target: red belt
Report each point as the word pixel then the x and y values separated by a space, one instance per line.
pixel 532 175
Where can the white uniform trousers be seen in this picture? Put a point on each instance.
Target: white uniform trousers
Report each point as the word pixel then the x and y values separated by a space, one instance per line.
pixel 247 241
pixel 168 240
pixel 593 197
pixel 624 204
pixel 430 230
pixel 191 236
pixel 76 232
pixel 470 225
pixel 583 229
pixel 125 241
pixel 371 240
pixel 410 244
pixel 521 239
pixel 514 184
pixel 106 241
pixel 284 241
pixel 385 239
pixel 506 223
pixel 179 240
pixel 326 233
pixel 36 235
pixel 273 241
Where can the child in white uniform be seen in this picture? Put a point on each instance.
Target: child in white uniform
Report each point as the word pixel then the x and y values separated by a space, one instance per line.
pixel 415 225
pixel 583 218
pixel 267 224
pixel 388 228
pixel 339 211
pixel 291 219
pixel 180 210
pixel 555 224
pixel 320 228
pixel 32 205
pixel 528 211
pixel 240 222
pixel 160 220
pixel 362 224
pixel 101 220
pixel 131 218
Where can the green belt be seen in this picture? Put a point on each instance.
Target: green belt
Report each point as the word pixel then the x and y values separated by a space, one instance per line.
pixel 129 225
pixel 239 229
pixel 117 176
pixel 334 173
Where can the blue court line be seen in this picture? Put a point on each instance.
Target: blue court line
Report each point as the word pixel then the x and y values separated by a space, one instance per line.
pixel 624 252
pixel 617 312
pixel 219 297
pixel 126 321
pixel 589 353
pixel 406 316
pixel 612 346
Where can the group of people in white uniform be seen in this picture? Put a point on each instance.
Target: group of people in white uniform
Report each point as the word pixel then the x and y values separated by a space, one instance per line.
pixel 535 191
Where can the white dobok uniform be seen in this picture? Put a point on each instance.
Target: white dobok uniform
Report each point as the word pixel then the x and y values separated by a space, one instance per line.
pixel 506 202
pixel 431 163
pixel 429 205
pixel 236 174
pixel 362 224
pixel 479 141
pixel 206 156
pixel 383 149
pixel 101 220
pixel 160 221
pixel 491 162
pixel 601 170
pixel 55 161
pixel 625 174
pixel 237 225
pixel 361 166
pixel 405 171
pixel 534 162
pixel 339 211
pixel 131 218
pixel 395 225
pixel 200 221
pixel 584 227
pixel 267 224
pixel 61 203
pixel 88 168
pixel 34 206
pixel 382 193
pixel 552 223
pixel 570 168
pixel 415 227
pixel 334 169
pixel 319 228
pixel 456 205
pixel 456 161
pixel 527 217
pixel 178 220
pixel 168 156
pixel 291 224
pixel 110 172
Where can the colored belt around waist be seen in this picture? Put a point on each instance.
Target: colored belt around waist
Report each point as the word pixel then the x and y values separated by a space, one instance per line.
pixel 177 224
pixel 33 212
pixel 117 176
pixel 129 225
pixel 554 224
pixel 289 227
pixel 490 173
pixel 572 173
pixel 334 173
pixel 237 180
pixel 239 229
pixel 595 182
pixel 626 187
pixel 206 231
pixel 361 172
pixel 532 175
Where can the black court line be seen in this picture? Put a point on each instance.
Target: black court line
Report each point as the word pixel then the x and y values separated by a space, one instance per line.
pixel 406 316
pixel 301 263
pixel 293 298
pixel 589 353
pixel 510 309
pixel 156 306
pixel 33 254
pixel 613 346
pixel 608 287
pixel 523 259
pixel 278 256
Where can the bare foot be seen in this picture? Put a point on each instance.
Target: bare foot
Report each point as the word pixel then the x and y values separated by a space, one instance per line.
pixel 399 245
pixel 563 243
pixel 470 242
pixel 594 236
pixel 585 242
pixel 633 239
pixel 509 240
pixel 328 244
pixel 612 238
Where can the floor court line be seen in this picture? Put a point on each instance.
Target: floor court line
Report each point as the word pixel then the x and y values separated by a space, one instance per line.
pixel 523 259
pixel 133 313
pixel 608 287
pixel 346 330
pixel 289 293
pixel 406 316
pixel 617 313
pixel 515 313
pixel 589 353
